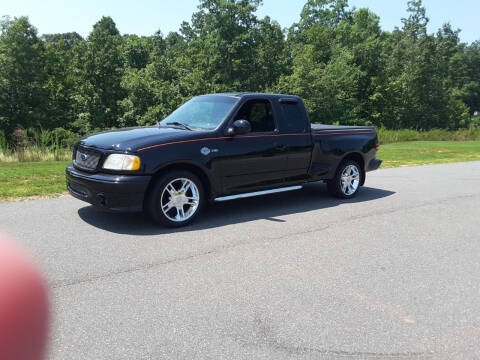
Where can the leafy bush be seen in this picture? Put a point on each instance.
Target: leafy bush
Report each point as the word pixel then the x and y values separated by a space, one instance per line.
pixel 475 122
pixel 37 145
pixel 33 153
pixel 3 143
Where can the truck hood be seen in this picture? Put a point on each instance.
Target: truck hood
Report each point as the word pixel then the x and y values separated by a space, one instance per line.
pixel 132 139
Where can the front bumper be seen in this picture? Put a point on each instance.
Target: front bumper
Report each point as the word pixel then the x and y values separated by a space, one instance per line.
pixel 108 191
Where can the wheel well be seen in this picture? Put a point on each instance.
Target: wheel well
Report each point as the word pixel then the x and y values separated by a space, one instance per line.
pixel 358 158
pixel 188 167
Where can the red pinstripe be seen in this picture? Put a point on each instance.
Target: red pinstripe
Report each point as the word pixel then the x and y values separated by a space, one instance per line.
pixel 251 136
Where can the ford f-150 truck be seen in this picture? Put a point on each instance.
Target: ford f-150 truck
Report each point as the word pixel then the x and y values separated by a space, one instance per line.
pixel 216 148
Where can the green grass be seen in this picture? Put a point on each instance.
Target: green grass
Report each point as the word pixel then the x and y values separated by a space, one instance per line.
pixel 428 152
pixel 47 178
pixel 27 179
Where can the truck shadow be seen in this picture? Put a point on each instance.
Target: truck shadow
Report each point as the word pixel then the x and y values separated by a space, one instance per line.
pixel 311 197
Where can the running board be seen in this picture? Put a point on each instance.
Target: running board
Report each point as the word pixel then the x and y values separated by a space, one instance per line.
pixel 259 193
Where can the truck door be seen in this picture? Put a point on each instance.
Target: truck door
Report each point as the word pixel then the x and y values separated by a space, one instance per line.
pixel 254 160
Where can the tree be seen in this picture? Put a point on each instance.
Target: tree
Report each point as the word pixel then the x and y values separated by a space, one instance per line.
pixel 271 57
pixel 99 65
pixel 471 86
pixel 153 93
pixel 137 51
pixel 222 41
pixel 327 12
pixel 68 39
pixel 362 34
pixel 22 96
pixel 326 71
pixel 60 83
pixel 337 58
pixel 416 93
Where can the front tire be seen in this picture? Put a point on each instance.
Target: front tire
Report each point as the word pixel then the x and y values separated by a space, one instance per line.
pixel 347 180
pixel 175 199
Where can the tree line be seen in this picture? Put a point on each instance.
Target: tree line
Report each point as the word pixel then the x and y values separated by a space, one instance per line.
pixel 337 58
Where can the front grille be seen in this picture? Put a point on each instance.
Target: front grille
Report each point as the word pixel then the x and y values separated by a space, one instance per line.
pixel 87 158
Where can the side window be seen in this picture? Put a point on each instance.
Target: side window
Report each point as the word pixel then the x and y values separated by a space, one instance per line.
pixel 294 120
pixel 260 115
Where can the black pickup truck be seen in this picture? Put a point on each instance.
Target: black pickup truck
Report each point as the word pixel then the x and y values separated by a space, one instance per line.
pixel 217 148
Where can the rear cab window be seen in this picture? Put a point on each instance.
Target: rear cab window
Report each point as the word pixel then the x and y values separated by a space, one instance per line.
pixel 294 117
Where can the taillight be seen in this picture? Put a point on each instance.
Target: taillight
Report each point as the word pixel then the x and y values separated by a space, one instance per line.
pixel 377 146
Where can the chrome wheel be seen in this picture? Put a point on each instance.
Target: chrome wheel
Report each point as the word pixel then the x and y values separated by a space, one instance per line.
pixel 350 180
pixel 180 200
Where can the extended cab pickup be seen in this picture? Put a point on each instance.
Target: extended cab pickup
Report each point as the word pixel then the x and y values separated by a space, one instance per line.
pixel 216 148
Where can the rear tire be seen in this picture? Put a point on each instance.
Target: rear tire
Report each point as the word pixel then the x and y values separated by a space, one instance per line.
pixel 175 199
pixel 347 180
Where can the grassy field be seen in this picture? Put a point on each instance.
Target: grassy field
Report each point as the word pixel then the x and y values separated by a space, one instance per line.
pixel 27 179
pixel 47 178
pixel 428 152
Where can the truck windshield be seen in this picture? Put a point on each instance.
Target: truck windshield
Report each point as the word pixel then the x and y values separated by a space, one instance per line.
pixel 203 112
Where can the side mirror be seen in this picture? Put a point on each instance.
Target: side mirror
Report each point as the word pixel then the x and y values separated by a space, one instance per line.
pixel 239 127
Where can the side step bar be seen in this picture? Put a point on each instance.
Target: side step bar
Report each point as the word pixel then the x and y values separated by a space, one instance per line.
pixel 258 193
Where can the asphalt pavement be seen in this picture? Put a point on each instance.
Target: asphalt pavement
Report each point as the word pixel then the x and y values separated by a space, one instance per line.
pixel 393 273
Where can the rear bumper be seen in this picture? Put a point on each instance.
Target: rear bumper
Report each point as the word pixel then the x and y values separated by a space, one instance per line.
pixel 374 165
pixel 107 191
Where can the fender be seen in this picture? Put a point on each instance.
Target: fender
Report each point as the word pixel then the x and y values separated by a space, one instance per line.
pixel 206 175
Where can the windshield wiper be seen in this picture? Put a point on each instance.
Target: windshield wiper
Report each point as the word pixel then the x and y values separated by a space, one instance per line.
pixel 176 123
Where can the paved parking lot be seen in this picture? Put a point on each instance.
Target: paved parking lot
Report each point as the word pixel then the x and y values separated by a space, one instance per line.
pixel 394 273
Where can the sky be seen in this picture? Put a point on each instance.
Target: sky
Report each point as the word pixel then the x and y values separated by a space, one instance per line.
pixel 145 17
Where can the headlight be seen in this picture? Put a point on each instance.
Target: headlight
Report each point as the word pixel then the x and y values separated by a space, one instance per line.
pixel 122 162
